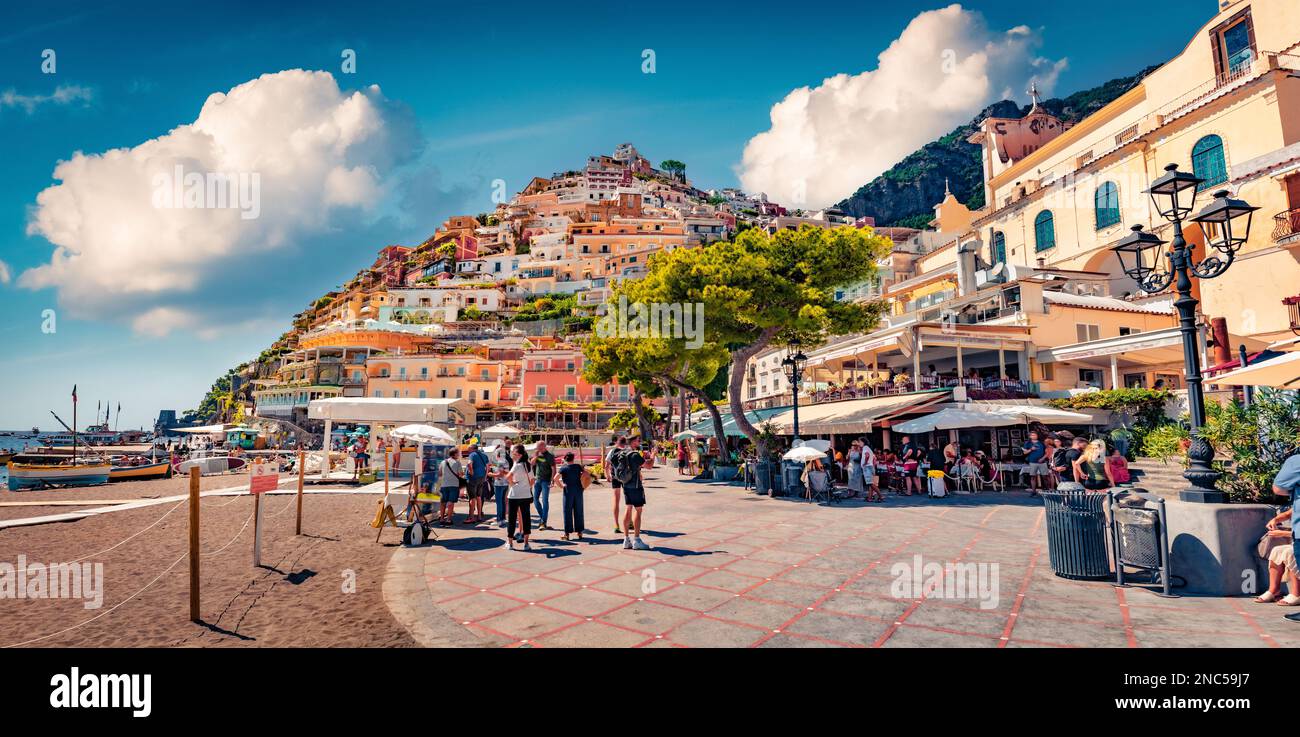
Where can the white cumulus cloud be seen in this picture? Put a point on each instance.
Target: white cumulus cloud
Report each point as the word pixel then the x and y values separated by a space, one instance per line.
pixel 64 94
pixel 5 274
pixel 827 141
pixel 124 250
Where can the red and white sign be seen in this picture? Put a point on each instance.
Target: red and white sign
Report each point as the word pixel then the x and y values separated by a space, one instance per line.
pixel 264 477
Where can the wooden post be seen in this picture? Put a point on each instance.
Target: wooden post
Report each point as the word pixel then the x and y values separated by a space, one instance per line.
pixel 194 544
pixel 302 470
pixel 257 530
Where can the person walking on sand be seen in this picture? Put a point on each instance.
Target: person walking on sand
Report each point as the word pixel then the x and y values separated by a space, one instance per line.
pixel 620 444
pixel 519 497
pixel 543 471
pixel 571 476
pixel 628 465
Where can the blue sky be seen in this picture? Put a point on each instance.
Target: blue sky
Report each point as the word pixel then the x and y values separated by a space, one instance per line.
pixel 497 90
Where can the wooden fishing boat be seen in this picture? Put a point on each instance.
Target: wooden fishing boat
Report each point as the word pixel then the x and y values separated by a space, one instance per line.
pixel 45 476
pixel 160 470
pixel 5 458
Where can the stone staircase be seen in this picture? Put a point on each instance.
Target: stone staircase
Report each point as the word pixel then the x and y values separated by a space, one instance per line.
pixel 1157 477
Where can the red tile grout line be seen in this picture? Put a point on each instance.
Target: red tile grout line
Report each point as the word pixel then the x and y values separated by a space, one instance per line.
pixel 852 577
pixel 889 631
pixel 745 592
pixel 1128 621
pixel 1014 615
pixel 1250 619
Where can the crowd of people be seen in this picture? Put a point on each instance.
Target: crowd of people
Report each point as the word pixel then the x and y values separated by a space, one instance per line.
pixel 1053 461
pixel 520 483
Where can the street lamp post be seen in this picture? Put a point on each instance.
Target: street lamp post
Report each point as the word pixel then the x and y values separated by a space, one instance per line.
pixel 1226 225
pixel 793 365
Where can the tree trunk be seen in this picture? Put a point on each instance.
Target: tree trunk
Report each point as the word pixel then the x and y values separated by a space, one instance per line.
pixel 718 432
pixel 642 421
pixel 739 364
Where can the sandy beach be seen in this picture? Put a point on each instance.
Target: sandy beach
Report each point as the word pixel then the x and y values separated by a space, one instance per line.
pixel 297 599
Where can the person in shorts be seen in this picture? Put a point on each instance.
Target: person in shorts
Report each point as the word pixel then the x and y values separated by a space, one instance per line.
pixel 1036 462
pixel 1285 484
pixel 620 444
pixel 634 497
pixel 476 485
pixel 910 458
pixel 451 476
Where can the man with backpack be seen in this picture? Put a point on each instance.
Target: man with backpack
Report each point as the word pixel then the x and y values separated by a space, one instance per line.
pixel 627 469
pixel 477 485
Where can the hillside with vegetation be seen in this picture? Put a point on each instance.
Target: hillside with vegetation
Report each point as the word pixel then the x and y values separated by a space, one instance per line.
pixel 906 194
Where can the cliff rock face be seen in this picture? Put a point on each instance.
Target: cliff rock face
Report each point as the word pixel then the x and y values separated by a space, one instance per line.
pixel 906 194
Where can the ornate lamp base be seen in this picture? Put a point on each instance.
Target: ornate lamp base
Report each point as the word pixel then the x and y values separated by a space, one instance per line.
pixel 1201 474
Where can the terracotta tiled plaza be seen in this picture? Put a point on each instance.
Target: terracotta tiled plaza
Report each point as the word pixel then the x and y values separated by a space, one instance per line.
pixel 732 569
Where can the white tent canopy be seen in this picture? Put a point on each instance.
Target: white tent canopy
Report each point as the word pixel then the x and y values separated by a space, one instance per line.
pixel 201 430
pixel 956 418
pixel 1282 372
pixel 501 431
pixel 422 434
pixel 393 410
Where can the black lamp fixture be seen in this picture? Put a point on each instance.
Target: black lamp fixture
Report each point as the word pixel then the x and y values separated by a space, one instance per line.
pixel 793 366
pixel 1174 193
pixel 1225 222
pixel 1140 255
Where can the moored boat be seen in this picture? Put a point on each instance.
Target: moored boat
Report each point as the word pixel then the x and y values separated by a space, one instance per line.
pixel 212 465
pixel 43 476
pixel 160 470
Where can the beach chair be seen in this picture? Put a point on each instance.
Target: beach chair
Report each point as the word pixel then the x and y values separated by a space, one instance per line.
pixel 819 486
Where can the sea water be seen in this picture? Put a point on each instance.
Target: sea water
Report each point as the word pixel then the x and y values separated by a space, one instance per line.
pixel 15 442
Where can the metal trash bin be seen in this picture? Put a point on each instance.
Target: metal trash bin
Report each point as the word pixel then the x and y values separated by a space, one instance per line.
pixel 1076 534
pixel 792 478
pixel 762 477
pixel 1141 538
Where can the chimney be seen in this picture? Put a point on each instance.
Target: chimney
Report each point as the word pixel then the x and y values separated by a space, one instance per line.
pixel 966 268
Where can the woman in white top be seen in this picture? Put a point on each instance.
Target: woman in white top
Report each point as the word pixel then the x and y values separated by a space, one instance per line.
pixel 519 496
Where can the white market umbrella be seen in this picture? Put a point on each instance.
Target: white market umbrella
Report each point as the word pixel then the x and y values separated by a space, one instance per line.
pixel 1282 372
pixel 686 435
pixel 804 454
pixel 821 444
pixel 422 434
pixel 502 431
pixel 952 418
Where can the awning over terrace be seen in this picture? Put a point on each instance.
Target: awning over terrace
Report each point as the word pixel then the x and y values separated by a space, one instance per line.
pixel 756 417
pixel 854 415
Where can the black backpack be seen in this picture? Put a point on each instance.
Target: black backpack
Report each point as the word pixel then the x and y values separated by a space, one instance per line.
pixel 623 471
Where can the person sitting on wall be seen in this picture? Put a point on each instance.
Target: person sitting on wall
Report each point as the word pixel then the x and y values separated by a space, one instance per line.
pixel 1277 549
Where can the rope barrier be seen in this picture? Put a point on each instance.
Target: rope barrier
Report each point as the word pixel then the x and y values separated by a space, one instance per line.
pixel 131 537
pixel 142 589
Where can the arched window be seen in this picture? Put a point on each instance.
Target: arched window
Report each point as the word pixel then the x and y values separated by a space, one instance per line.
pixel 1044 231
pixel 1106 204
pixel 998 249
pixel 1208 161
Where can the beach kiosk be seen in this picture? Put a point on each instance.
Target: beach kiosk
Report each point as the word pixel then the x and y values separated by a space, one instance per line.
pixel 382 414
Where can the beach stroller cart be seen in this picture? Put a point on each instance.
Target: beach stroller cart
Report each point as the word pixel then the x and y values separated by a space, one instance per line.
pixel 416 527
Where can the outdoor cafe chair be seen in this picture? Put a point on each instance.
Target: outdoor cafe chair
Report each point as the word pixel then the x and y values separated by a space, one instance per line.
pixel 968 477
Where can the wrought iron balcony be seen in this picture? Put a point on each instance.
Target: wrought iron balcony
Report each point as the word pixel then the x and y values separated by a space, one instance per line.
pixel 1286 225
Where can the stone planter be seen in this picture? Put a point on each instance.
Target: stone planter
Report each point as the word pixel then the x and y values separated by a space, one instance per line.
pixel 725 473
pixel 1212 546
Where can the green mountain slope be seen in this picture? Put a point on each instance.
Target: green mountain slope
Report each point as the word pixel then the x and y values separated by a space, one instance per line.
pixel 906 194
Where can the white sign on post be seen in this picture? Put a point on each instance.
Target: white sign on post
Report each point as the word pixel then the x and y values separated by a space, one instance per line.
pixel 263 477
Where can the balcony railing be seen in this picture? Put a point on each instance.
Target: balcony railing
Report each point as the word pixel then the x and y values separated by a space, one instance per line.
pixel 1293 308
pixel 1286 224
